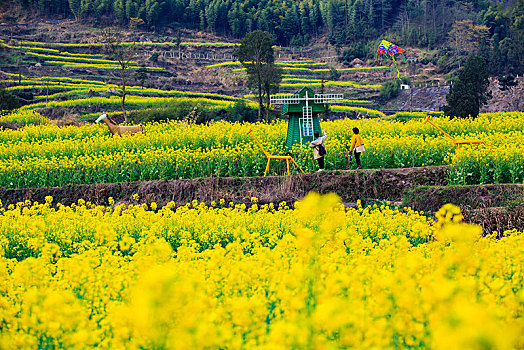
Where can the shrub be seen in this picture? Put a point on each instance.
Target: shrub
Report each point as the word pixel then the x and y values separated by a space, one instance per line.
pixel 8 101
pixel 242 113
pixel 356 50
pixel 391 89
pixel 154 57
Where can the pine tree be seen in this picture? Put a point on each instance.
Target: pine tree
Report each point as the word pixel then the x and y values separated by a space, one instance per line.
pixel 74 5
pixel 237 21
pixel 211 17
pixel 119 10
pixel 290 25
pixel 315 18
pixel 153 14
pixel 470 91
pixel 202 20
pixel 8 101
pixel 508 83
pixel 131 9
pixel 305 27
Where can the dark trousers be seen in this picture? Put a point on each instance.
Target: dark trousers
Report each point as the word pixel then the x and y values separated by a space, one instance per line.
pixel 357 157
pixel 320 162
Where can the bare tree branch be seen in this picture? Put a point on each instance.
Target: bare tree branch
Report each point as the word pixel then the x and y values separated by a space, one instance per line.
pixel 123 53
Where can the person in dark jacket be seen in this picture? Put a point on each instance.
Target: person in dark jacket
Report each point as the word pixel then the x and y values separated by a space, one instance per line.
pixel 316 145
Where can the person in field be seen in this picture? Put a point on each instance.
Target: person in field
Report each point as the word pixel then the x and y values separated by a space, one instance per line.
pixel 357 146
pixel 319 150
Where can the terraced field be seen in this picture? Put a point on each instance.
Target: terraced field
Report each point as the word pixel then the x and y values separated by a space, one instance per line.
pixel 87 77
pixel 88 154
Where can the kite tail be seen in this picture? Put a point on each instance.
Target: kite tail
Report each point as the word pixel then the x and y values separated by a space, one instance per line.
pixel 396 67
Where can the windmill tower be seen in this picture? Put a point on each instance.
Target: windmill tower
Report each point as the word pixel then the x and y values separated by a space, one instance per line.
pixel 303 108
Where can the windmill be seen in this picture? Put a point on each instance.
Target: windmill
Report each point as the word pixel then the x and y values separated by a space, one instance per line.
pixel 303 108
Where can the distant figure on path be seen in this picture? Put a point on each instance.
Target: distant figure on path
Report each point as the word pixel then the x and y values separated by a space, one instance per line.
pixel 319 150
pixel 357 145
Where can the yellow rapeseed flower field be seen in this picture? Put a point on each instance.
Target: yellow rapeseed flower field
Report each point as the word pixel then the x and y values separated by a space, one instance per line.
pixel 319 276
pixel 47 155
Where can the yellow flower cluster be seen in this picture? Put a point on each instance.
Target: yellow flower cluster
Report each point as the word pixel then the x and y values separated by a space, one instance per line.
pixel 138 101
pixel 364 111
pixel 24 118
pixel 254 276
pixel 73 58
pixel 76 87
pixel 319 70
pixel 113 66
pixel 53 156
pixel 24 48
pixel 299 63
pixel 332 83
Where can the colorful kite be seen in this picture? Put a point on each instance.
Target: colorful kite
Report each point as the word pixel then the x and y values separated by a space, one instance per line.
pixel 390 50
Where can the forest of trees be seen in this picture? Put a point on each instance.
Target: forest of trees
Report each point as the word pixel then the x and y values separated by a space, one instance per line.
pixel 497 28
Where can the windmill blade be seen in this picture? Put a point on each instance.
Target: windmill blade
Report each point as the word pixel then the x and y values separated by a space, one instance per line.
pixel 281 99
pixel 328 98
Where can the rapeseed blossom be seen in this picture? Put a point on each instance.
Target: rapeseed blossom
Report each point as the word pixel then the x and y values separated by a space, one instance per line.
pixel 47 155
pixel 267 277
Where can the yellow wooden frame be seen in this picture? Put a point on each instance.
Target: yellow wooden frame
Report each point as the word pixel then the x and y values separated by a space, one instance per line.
pixel 269 156
pixel 456 142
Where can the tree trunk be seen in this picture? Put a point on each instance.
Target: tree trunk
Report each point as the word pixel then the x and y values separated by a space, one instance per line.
pixel 260 105
pixel 19 73
pixel 267 105
pixel 124 94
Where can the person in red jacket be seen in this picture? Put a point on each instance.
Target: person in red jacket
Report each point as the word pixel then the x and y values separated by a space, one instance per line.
pixel 357 146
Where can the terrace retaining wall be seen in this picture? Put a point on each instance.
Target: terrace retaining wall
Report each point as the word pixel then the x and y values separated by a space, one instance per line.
pixel 431 198
pixel 495 207
pixel 497 219
pixel 350 185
